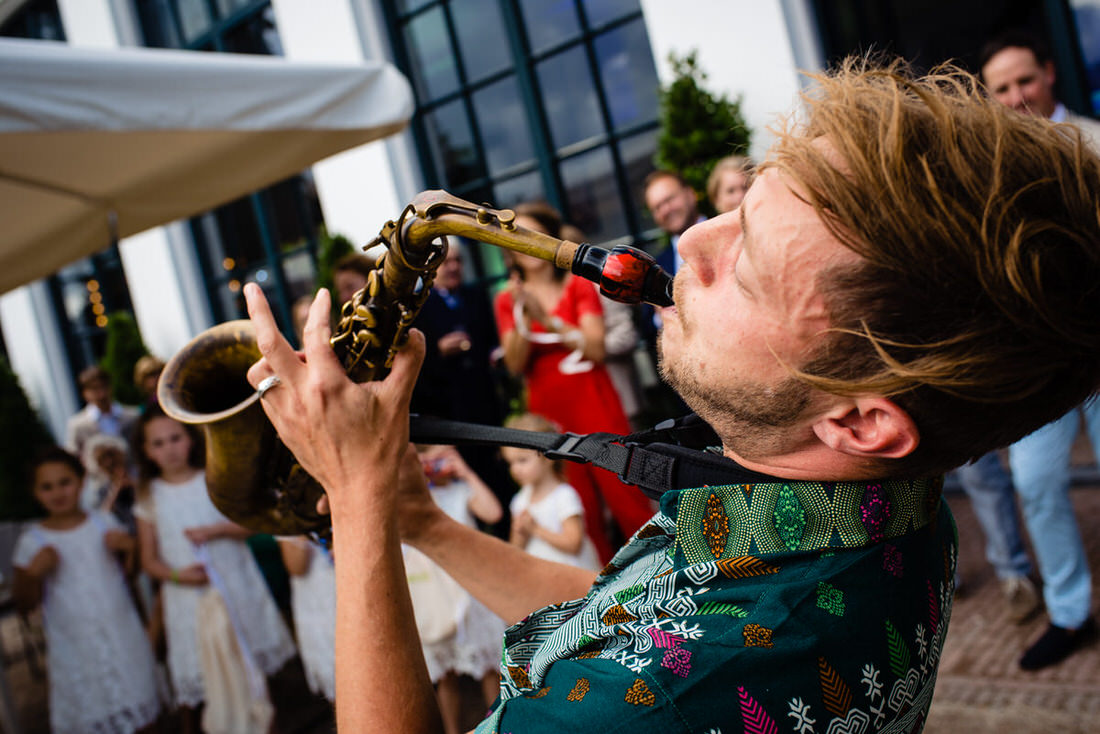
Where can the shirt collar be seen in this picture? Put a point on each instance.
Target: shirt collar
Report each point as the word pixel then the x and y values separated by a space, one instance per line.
pixel 1059 114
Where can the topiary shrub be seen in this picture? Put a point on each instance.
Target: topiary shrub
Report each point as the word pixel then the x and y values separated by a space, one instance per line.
pixel 696 127
pixel 22 436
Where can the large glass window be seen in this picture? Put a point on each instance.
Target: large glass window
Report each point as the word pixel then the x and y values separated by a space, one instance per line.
pixel 525 99
pixel 269 236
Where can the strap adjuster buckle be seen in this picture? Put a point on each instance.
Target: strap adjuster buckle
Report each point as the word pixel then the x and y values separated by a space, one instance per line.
pixel 564 451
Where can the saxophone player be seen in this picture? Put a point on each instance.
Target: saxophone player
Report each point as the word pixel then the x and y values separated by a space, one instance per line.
pixel 909 283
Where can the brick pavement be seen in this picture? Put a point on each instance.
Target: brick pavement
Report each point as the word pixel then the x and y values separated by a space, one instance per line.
pixel 981 690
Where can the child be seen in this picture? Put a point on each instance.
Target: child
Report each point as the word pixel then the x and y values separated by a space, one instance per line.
pixel 187 544
pixel 313 608
pixel 473 648
pixel 101 670
pixel 547 516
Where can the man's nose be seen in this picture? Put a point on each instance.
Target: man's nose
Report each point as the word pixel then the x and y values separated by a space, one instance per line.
pixel 1015 98
pixel 700 245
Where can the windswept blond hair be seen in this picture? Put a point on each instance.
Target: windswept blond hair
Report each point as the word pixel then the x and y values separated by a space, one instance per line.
pixel 977 303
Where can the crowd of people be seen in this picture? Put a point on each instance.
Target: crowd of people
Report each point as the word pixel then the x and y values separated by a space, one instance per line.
pixel 132 554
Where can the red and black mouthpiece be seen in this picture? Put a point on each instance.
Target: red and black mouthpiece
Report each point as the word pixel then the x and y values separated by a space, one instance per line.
pixel 624 274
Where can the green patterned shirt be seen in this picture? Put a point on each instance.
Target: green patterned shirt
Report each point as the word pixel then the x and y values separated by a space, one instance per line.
pixel 779 606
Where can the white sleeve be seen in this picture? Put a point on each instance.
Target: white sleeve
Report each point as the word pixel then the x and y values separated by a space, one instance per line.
pixel 26 548
pixel 143 509
pixel 108 521
pixel 519 502
pixel 567 503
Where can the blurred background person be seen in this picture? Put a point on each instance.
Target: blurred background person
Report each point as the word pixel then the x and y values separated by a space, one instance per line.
pixel 101 414
pixel 1017 69
pixel 552 329
pixel 621 341
pixel 729 181
pixel 349 275
pixel 674 207
pixel 457 380
pixel 146 375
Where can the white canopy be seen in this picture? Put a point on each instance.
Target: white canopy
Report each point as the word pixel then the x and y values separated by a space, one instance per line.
pixel 96 144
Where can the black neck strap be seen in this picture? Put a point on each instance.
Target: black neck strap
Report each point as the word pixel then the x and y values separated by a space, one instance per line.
pixel 666 457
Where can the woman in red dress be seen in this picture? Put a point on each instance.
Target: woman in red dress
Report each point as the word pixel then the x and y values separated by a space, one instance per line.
pixel 552 331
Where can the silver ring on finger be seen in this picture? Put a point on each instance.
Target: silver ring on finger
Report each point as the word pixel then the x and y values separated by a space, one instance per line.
pixel 266 384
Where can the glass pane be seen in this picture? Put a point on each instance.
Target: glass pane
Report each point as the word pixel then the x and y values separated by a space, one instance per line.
pixel 194 18
pixel 482 39
pixel 569 98
pixel 256 35
pixel 636 153
pixel 432 58
pixel 1087 17
pixel 231 300
pixel 592 196
pixel 604 11
pixel 628 74
pixel 157 24
pixel 505 131
pixel 78 309
pixel 226 7
pixel 78 270
pixel 237 234
pixel 549 22
pixel 292 221
pixel 452 144
pixel 407 6
pixel 300 274
pixel 525 187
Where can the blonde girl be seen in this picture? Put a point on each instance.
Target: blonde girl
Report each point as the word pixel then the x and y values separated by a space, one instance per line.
pixel 101 669
pixel 547 515
pixel 185 542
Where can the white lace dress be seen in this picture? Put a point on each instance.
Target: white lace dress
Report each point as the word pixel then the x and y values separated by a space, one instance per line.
pixel 313 604
pixel 101 668
pixel 475 647
pixel 173 508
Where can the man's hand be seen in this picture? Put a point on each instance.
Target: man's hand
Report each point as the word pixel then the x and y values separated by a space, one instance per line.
pixel 453 343
pixel 350 437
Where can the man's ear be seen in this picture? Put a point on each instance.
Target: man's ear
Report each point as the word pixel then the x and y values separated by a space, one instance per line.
pixel 1049 73
pixel 870 427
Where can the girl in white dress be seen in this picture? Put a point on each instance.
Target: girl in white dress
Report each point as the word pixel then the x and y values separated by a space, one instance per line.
pixel 180 532
pixel 474 647
pixel 313 607
pixel 547 514
pixel 101 668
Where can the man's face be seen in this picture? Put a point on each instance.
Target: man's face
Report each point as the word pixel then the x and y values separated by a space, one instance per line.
pixel 97 393
pixel 346 283
pixel 672 204
pixel 747 303
pixel 1015 78
pixel 449 274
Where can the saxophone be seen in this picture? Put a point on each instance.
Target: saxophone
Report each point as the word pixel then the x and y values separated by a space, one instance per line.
pixel 253 479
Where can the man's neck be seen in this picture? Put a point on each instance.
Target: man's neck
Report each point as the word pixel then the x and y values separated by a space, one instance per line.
pixel 813 463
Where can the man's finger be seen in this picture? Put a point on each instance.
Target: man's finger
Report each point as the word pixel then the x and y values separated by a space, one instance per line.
pixel 276 350
pixel 406 366
pixel 317 332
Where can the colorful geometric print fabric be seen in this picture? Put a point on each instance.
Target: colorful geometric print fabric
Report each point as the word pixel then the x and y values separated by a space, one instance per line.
pixel 813 608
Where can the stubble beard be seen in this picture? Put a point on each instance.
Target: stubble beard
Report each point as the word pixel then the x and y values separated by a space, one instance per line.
pixel 751 418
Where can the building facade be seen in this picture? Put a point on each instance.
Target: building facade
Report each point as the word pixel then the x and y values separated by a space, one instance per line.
pixel 516 99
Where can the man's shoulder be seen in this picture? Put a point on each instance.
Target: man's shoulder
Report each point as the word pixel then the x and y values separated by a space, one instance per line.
pixel 1089 126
